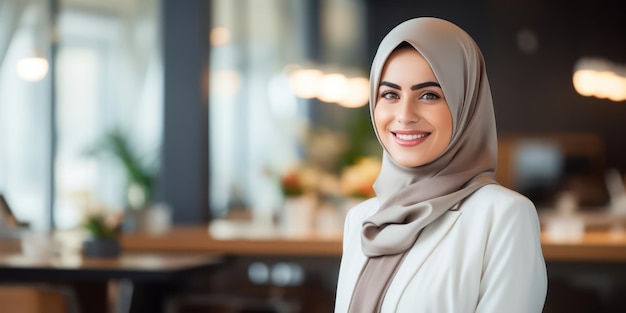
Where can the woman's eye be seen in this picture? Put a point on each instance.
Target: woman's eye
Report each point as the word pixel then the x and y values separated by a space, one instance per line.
pixel 388 95
pixel 430 96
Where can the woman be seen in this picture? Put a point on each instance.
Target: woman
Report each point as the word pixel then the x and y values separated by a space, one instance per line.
pixel 441 235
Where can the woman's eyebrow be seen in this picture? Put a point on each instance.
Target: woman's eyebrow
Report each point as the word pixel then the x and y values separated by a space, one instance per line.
pixel 426 84
pixel 392 85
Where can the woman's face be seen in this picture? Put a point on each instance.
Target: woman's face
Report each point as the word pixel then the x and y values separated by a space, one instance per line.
pixel 411 116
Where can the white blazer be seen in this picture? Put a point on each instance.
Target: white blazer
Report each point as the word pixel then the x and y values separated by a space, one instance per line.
pixel 484 257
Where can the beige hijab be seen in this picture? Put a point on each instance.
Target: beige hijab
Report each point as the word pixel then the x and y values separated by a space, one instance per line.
pixel 412 198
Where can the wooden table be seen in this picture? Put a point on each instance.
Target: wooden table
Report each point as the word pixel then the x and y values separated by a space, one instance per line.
pixel 593 246
pixel 89 277
pixel 233 242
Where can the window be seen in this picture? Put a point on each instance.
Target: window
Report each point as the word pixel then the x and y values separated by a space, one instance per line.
pixel 108 79
pixel 24 113
pixel 107 76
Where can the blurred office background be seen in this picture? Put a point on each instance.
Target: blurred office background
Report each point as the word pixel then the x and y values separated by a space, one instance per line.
pixel 216 100
pixel 214 97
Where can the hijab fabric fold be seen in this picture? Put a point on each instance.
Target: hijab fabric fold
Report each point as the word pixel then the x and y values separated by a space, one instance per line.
pixel 412 198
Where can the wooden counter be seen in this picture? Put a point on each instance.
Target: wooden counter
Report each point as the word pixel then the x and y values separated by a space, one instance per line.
pixel 594 246
pixel 269 243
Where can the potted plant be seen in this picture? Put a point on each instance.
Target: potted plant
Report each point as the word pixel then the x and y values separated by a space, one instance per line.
pixel 298 211
pixel 140 176
pixel 102 236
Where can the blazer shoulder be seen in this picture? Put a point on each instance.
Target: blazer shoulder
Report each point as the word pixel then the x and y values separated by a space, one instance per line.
pixel 499 200
pixel 501 194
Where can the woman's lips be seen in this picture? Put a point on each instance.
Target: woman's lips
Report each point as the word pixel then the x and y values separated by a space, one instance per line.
pixel 409 139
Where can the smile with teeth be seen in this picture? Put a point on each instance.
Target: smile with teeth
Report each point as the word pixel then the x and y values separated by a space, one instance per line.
pixel 410 136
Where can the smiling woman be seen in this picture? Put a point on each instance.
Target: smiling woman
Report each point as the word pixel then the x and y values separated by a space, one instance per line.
pixel 440 225
pixel 411 115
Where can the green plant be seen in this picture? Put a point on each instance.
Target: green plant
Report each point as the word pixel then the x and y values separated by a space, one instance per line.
pixel 140 175
pixel 98 227
pixel 362 139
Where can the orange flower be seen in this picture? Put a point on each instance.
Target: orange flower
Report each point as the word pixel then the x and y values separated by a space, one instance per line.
pixel 358 180
pixel 291 184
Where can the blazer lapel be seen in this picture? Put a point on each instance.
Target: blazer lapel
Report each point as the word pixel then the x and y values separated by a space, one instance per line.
pixel 424 246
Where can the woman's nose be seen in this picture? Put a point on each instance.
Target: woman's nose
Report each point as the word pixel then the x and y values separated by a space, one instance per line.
pixel 406 114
